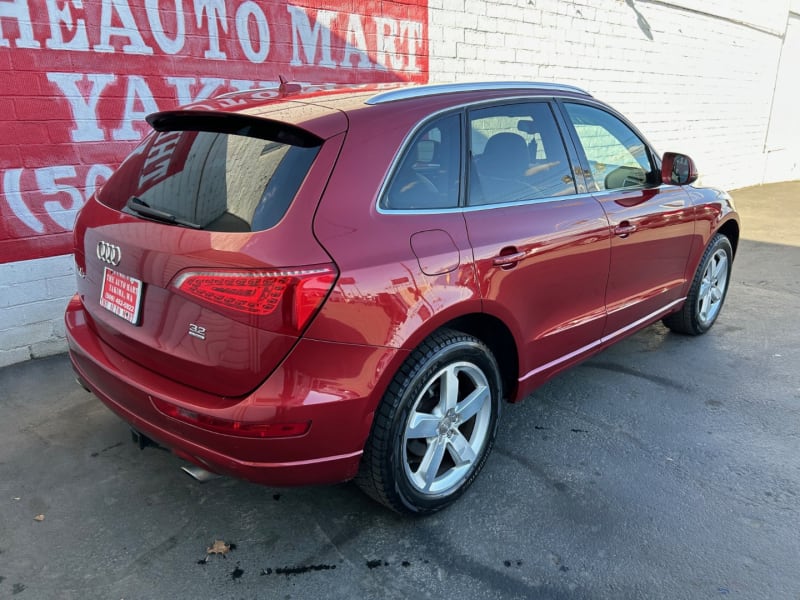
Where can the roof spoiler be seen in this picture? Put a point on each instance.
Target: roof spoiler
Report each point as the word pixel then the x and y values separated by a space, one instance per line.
pixel 235 124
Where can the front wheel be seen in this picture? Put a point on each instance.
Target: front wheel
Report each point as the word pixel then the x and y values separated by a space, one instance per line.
pixel 707 294
pixel 434 427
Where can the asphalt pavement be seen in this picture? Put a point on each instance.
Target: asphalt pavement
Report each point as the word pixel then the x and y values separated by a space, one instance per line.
pixel 664 467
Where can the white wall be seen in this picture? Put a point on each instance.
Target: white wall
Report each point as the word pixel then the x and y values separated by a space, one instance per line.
pixel 692 82
pixel 783 137
pixel 33 295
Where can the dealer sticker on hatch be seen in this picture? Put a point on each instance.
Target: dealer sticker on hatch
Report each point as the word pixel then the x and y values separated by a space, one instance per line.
pixel 121 294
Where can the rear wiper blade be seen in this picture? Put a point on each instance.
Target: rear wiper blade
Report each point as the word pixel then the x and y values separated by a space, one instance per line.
pixel 140 207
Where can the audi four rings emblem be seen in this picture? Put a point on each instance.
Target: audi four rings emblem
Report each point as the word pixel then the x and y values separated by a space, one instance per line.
pixel 109 253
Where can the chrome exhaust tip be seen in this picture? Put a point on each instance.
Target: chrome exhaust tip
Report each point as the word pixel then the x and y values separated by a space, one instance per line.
pixel 199 473
pixel 81 383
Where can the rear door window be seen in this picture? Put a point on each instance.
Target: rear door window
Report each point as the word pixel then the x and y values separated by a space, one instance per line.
pixel 516 154
pixel 210 180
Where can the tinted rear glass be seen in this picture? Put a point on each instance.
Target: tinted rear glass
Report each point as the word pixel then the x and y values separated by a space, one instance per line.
pixel 210 180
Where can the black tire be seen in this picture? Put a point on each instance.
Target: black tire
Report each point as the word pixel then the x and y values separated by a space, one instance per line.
pixel 708 290
pixel 393 469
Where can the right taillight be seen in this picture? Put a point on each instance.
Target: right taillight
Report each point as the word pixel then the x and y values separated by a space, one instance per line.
pixel 281 300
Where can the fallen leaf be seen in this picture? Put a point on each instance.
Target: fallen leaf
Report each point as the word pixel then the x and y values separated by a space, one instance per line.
pixel 219 547
pixel 39 518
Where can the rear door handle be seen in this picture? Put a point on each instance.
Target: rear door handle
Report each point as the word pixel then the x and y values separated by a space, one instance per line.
pixel 624 229
pixel 508 260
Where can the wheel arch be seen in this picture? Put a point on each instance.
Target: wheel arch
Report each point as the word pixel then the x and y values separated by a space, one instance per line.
pixel 498 337
pixel 730 229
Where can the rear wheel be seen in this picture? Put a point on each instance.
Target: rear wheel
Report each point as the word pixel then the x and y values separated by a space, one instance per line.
pixel 707 294
pixel 434 427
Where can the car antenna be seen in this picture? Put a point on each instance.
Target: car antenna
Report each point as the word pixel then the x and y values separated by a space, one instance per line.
pixel 287 88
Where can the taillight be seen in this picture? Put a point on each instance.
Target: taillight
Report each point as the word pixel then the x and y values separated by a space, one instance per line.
pixel 229 427
pixel 281 300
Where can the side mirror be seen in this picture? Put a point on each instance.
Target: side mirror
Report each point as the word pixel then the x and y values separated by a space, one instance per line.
pixel 677 169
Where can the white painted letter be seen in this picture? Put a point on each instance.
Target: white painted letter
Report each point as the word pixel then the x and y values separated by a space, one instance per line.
pixel 356 44
pixel 84 111
pixel 18 9
pixel 58 16
pixel 96 172
pixel 11 192
pixel 302 32
pixel 47 180
pixel 137 94
pixel 183 88
pixel 128 30
pixel 157 27
pixel 412 31
pixel 243 13
pixel 387 44
pixel 215 12
pixel 242 85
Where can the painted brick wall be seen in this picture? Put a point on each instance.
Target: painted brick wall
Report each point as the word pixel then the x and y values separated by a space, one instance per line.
pixel 77 78
pixel 695 77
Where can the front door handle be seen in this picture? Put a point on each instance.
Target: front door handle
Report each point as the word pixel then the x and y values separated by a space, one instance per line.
pixel 624 229
pixel 507 261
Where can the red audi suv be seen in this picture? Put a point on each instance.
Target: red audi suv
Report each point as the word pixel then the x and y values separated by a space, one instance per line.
pixel 300 286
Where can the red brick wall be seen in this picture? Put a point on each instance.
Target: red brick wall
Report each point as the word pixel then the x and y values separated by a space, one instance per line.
pixel 77 78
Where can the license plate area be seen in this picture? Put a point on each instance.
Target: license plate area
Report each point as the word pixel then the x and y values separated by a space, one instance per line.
pixel 121 294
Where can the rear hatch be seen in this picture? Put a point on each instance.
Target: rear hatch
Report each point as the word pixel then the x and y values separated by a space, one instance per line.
pixel 197 257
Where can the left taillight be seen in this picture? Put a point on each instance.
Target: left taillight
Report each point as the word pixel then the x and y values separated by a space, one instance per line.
pixel 280 300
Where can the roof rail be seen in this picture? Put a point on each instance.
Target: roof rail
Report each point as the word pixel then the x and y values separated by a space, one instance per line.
pixel 421 91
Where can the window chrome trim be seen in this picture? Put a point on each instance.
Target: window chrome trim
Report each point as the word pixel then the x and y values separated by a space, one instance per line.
pixel 422 91
pixel 601 194
pixel 603 340
pixel 543 200
pixel 460 108
pixel 466 209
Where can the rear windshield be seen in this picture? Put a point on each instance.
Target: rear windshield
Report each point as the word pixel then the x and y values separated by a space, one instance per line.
pixel 209 180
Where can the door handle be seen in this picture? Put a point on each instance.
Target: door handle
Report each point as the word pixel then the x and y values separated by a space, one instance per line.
pixel 624 229
pixel 508 260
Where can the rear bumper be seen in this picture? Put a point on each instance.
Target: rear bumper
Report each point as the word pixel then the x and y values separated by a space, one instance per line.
pixel 331 385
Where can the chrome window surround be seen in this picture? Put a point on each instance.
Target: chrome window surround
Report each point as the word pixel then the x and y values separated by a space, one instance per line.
pixel 421 91
pixel 428 211
pixel 474 208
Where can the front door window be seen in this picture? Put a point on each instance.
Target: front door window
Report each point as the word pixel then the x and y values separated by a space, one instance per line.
pixel 617 157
